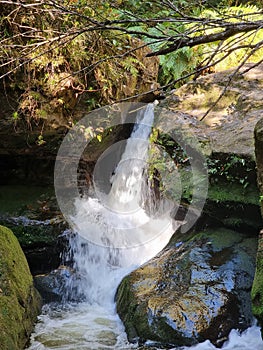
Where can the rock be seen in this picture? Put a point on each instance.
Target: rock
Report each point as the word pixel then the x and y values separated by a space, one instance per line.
pixel 257 289
pixel 226 137
pixel 193 290
pixel 229 126
pixel 20 303
pixel 53 286
pixel 41 240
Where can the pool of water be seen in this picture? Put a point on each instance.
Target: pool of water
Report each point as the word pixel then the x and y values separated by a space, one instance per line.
pixel 16 198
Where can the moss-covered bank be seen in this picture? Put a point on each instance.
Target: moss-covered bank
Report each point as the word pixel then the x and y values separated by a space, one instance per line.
pixel 19 301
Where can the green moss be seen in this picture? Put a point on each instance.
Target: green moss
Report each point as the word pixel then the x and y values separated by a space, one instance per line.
pixel 257 289
pixel 220 238
pixel 233 192
pixel 19 301
pixel 30 235
pixel 129 309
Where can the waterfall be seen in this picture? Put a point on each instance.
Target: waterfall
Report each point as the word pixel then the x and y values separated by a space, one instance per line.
pixel 114 233
pixel 125 235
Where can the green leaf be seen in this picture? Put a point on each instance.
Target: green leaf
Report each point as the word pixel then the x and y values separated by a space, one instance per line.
pixel 15 115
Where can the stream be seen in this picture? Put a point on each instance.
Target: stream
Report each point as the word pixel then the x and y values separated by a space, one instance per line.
pixel 113 234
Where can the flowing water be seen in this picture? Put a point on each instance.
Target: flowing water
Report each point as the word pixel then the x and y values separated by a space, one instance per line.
pixel 122 235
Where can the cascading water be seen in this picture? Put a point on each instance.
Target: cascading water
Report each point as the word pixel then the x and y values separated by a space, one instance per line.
pixel 124 237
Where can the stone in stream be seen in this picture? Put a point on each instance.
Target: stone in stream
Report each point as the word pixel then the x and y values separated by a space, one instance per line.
pixel 54 286
pixel 193 290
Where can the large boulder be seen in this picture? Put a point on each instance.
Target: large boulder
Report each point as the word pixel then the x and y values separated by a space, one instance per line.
pixel 20 303
pixel 193 290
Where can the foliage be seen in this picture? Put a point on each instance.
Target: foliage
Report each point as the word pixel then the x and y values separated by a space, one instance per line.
pixel 235 49
pixel 181 63
pixel 54 53
pixel 233 169
pixel 55 62
pixel 174 65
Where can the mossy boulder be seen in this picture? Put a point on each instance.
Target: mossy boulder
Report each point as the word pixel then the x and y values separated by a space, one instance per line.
pixel 195 289
pixel 20 303
pixel 41 240
pixel 257 290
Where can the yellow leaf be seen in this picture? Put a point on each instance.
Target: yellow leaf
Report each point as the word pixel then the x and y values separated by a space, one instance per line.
pixel 99 138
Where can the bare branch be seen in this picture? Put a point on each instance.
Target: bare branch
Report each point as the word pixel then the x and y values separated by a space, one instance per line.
pixel 231 30
pixel 231 77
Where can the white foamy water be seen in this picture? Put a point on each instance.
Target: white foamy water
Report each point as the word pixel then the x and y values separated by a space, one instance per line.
pixel 79 327
pixel 116 235
pixel 250 339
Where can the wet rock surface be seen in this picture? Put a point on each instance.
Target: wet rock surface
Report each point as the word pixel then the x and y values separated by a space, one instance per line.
pixel 193 290
pixel 41 241
pixel 53 286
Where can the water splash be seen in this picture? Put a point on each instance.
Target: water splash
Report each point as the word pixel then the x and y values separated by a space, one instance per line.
pixel 247 340
pixel 124 237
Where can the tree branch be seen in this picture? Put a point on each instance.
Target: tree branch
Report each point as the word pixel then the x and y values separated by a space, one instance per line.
pixel 231 30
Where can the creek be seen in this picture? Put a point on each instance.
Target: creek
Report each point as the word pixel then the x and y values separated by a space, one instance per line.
pixel 114 233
